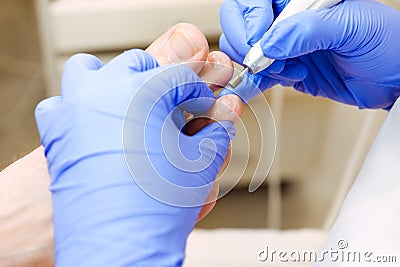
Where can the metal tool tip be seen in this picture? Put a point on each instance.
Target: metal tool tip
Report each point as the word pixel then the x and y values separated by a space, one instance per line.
pixel 235 81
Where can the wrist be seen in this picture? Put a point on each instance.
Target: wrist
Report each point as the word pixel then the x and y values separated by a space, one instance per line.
pixel 25 213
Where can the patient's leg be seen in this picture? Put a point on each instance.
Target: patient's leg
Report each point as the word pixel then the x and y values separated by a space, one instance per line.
pixel 25 213
pixel 25 207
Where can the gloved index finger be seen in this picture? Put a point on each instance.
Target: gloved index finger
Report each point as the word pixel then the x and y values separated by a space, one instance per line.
pixel 133 60
pixel 258 16
pixel 245 22
pixel 84 62
pixel 233 26
pixel 250 87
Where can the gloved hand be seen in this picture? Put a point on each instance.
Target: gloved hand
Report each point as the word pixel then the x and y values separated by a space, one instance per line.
pixel 348 53
pixel 123 192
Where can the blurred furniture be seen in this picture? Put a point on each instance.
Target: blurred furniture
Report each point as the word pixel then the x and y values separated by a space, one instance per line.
pixel 71 26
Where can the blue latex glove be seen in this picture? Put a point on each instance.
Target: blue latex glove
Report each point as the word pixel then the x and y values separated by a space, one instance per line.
pixel 349 53
pixel 101 215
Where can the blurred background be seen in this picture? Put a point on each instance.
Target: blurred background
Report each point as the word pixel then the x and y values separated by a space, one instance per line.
pixel 320 144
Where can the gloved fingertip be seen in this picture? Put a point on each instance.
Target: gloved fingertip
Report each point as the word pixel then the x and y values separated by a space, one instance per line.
pixel 277 66
pixel 258 19
pixel 218 131
pixel 294 71
pixel 250 86
pixel 275 43
pixel 85 61
pixel 229 128
pixel 271 49
pixel 225 47
pixel 135 60
pixel 198 105
pixel 226 91
pixel 42 114
pixel 230 91
pixel 46 105
pixel 143 61
pixel 253 34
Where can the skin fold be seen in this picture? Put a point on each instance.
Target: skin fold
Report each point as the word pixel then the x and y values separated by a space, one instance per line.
pixel 25 201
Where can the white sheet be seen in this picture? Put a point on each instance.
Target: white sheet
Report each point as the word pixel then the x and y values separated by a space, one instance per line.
pixel 240 247
pixel 369 220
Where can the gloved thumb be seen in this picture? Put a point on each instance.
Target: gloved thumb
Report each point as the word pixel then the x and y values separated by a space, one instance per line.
pixel 213 142
pixel 74 69
pixel 43 114
pixel 133 60
pixel 305 33
pixel 257 17
pixel 83 61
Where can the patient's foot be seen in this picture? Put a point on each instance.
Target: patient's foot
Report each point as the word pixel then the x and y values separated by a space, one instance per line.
pixel 181 43
pixel 186 43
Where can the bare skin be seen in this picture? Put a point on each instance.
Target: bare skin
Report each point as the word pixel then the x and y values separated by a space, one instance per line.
pixel 25 209
pixel 216 72
pixel 25 213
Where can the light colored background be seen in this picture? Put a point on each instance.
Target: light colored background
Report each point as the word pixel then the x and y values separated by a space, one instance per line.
pixel 316 148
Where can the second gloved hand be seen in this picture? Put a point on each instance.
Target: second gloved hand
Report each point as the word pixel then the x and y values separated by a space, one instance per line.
pixel 127 186
pixel 348 53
